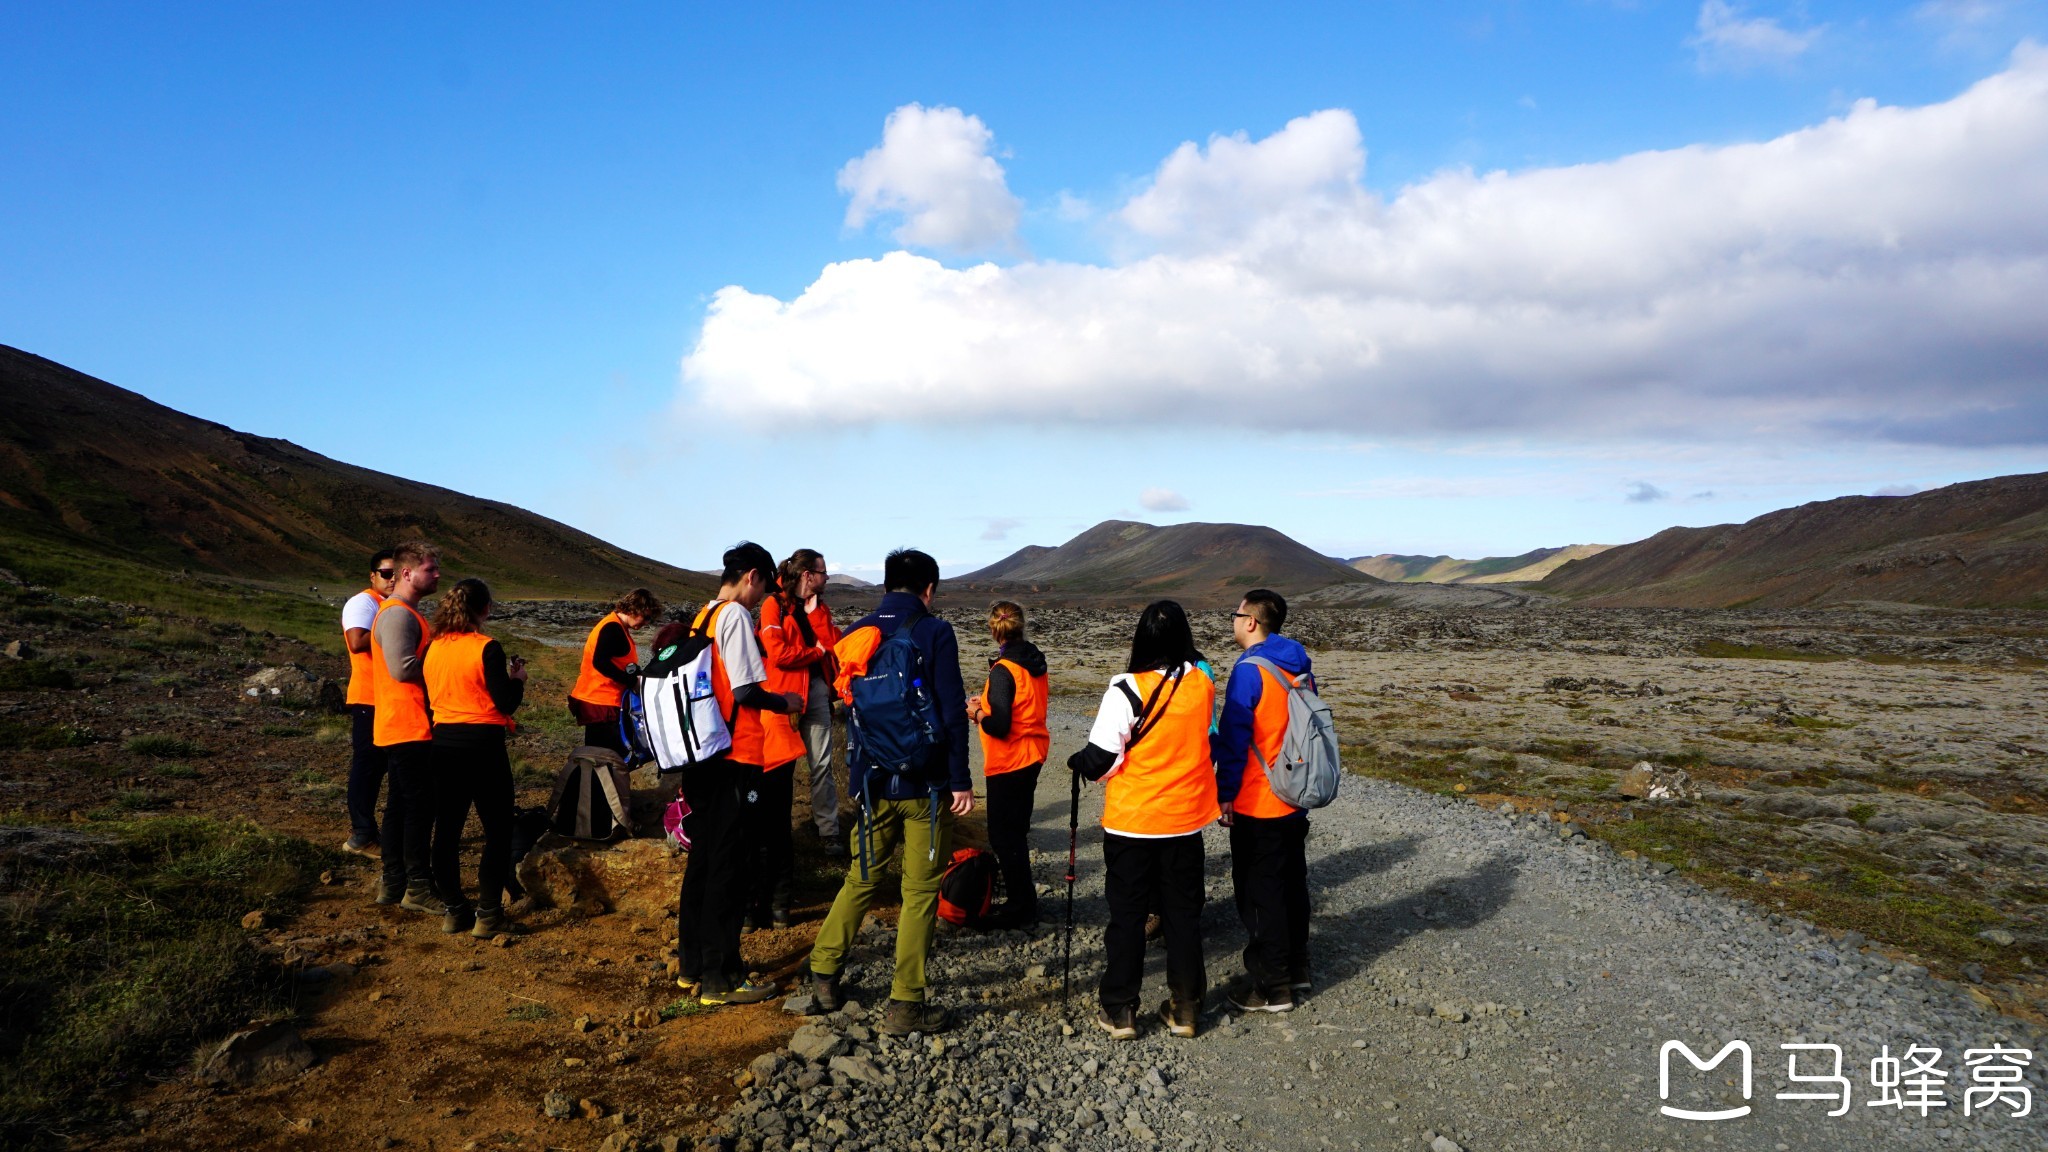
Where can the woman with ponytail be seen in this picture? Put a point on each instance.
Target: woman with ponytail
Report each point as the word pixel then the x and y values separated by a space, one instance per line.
pixel 796 636
pixel 473 691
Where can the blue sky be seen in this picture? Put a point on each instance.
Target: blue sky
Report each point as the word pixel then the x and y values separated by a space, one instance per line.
pixel 1412 277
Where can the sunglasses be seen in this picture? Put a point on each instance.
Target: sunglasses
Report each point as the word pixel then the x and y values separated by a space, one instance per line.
pixel 386 573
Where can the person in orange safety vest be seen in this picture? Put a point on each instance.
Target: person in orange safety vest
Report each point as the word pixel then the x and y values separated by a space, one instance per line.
pixel 611 664
pixel 366 764
pixel 1010 712
pixel 1150 748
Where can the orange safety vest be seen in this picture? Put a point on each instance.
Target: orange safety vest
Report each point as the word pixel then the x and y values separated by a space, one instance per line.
pixel 1029 739
pixel 1166 785
pixel 781 742
pixel 454 672
pixel 1269 729
pixel 360 688
pixel 594 687
pixel 749 735
pixel 401 716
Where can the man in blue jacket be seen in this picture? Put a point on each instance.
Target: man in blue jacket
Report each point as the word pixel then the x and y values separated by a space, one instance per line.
pixel 1268 836
pixel 915 809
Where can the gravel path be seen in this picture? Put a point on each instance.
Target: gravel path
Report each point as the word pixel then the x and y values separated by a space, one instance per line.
pixel 1481 984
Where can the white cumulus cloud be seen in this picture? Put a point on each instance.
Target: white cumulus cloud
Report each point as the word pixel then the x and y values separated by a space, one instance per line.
pixel 933 170
pixel 1162 500
pixel 1881 275
pixel 1725 38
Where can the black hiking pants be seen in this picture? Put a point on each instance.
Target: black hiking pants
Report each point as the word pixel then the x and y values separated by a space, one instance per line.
pixel 714 881
pixel 408 833
pixel 1269 869
pixel 1012 797
pixel 1140 874
pixel 771 800
pixel 365 774
pixel 475 772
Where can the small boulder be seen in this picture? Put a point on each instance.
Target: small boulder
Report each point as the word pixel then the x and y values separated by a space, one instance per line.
pixel 261 1055
pixel 256 921
pixel 558 1104
pixel 19 650
pixel 817 1043
pixel 588 1109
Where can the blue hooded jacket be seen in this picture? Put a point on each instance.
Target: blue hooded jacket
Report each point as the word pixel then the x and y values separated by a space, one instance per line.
pixel 934 637
pixel 1231 745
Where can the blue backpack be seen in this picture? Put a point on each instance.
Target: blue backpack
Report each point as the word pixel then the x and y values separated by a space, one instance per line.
pixel 892 723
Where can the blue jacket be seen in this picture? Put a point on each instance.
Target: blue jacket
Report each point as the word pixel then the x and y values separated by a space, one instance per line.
pixel 934 638
pixel 1232 743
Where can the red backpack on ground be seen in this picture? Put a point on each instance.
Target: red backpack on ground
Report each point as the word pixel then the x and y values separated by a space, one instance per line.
pixel 968 889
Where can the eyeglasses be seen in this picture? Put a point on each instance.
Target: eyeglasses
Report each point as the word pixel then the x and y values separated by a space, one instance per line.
pixel 386 573
pixel 1241 616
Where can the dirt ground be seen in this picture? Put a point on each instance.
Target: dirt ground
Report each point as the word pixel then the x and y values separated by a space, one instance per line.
pixel 424 1040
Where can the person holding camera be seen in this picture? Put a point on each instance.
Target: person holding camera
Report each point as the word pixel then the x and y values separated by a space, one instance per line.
pixel 474 690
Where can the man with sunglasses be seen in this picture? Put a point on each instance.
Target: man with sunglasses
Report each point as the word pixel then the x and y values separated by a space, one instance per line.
pixel 366 764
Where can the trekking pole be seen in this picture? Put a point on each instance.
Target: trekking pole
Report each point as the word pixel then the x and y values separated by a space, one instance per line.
pixel 1067 949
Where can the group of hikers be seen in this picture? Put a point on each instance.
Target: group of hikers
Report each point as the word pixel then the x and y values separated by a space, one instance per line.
pixel 434 700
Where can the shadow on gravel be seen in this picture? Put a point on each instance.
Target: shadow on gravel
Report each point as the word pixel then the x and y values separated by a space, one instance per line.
pixel 1342 952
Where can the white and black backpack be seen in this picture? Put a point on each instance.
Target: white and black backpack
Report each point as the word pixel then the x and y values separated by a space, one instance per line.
pixel 684 724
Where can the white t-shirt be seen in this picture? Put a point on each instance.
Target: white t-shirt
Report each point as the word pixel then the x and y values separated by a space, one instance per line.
pixel 360 611
pixel 738 648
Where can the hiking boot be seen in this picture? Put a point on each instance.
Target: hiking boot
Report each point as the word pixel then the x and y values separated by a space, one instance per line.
pixel 362 846
pixel 1299 981
pixel 1179 1017
pixel 826 993
pixel 779 918
pixel 421 898
pixel 835 851
pixel 907 1016
pixel 492 922
pixel 690 985
pixel 1120 1023
pixel 389 890
pixel 1246 998
pixel 747 993
pixel 458 918
pixel 747 924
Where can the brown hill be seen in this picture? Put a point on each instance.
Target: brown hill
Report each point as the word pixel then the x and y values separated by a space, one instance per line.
pixel 87 466
pixel 1203 565
pixel 1529 566
pixel 1978 544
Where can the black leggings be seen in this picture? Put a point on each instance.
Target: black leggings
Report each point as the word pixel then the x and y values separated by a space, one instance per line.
pixel 1143 873
pixel 1012 797
pixel 480 774
pixel 708 907
pixel 771 847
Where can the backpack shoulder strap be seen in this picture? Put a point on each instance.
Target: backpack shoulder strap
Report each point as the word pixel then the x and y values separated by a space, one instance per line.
pixel 1285 678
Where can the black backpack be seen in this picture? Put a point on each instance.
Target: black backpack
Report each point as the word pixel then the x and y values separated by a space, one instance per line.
pixel 968 889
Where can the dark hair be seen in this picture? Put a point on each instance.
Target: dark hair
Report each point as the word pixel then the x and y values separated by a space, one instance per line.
pixel 639 602
pixel 791 574
pixel 744 557
pixel 1266 606
pixel 908 570
pixel 1163 640
pixel 462 607
pixel 378 560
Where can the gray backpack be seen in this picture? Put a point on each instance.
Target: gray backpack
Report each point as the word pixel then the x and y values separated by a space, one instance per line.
pixel 1307 772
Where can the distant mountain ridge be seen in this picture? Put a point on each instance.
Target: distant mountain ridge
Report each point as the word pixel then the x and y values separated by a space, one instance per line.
pixel 1983 543
pixel 1528 567
pixel 1205 565
pixel 91 466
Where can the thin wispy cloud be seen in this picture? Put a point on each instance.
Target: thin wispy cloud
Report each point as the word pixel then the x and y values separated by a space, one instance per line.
pixel 933 170
pixel 1879 277
pixel 1000 528
pixel 1725 37
pixel 1644 492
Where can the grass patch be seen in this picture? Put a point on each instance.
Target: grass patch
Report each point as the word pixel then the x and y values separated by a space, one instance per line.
pixel 529 1012
pixel 1724 650
pixel 40 737
pixel 687 1006
pixel 177 771
pixel 121 955
pixel 163 747
pixel 281 731
pixel 331 731
pixel 35 676
pixel 1861 813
